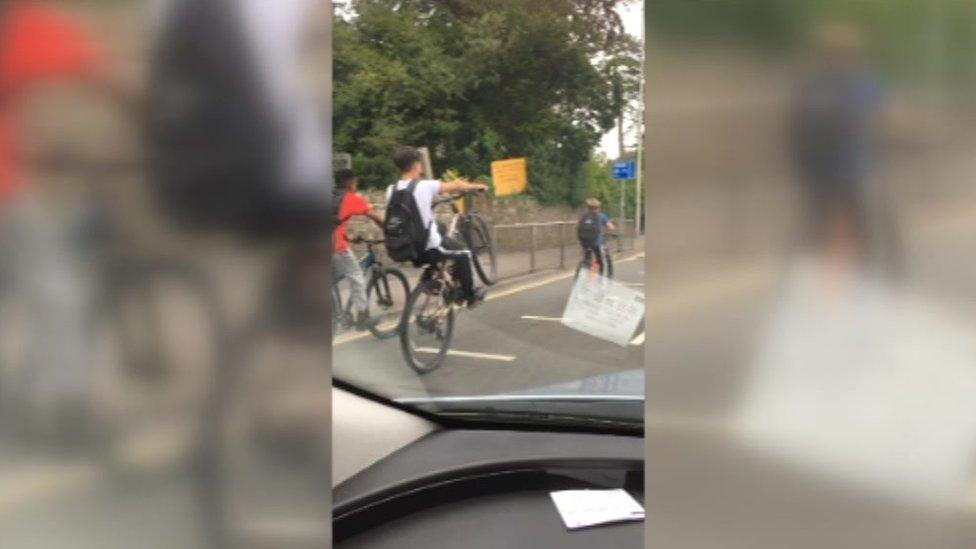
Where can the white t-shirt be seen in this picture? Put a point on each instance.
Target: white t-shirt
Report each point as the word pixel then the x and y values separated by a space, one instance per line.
pixel 425 193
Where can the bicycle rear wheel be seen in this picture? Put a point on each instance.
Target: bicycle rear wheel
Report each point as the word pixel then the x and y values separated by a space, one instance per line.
pixel 478 239
pixel 265 442
pixel 426 327
pixel 386 297
pixel 158 339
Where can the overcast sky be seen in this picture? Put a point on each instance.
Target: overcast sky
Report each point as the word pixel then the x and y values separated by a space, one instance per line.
pixel 632 14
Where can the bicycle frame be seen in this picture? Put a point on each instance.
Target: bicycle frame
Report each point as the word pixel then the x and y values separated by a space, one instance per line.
pixel 372 270
pixel 449 286
pixel 456 215
pixel 368 263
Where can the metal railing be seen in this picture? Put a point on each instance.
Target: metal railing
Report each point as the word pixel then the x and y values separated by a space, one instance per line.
pixel 525 248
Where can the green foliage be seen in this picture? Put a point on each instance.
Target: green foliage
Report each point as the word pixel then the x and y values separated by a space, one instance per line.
pixel 479 81
pixel 599 184
pixel 914 40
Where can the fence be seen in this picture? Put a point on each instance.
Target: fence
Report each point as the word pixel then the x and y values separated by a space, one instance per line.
pixel 525 248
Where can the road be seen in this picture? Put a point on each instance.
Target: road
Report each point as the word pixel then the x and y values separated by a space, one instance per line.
pixel 883 457
pixel 512 342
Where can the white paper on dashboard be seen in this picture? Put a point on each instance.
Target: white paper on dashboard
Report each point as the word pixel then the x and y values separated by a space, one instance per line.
pixel 584 508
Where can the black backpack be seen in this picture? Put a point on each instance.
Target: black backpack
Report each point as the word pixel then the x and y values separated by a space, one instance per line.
pixel 217 144
pixel 406 235
pixel 588 229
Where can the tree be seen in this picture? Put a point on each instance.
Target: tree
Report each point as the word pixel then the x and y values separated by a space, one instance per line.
pixel 477 81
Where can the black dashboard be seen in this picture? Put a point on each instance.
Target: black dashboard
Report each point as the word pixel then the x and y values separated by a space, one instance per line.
pixel 478 489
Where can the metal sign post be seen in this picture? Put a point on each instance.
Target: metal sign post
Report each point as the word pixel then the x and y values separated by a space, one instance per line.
pixel 639 181
pixel 623 170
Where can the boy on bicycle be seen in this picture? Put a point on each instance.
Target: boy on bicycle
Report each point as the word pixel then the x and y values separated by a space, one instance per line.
pixel 590 232
pixel 346 204
pixel 437 247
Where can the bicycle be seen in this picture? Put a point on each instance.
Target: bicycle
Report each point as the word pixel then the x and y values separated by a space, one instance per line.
pixel 383 291
pixel 589 263
pixel 472 229
pixel 430 309
pixel 267 421
pixel 155 334
pixel 267 425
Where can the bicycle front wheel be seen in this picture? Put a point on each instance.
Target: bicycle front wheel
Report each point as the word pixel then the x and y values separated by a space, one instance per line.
pixel 158 339
pixel 387 296
pixel 478 239
pixel 427 326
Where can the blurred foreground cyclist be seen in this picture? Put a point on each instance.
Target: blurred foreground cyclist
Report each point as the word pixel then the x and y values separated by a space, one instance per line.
pixel 41 45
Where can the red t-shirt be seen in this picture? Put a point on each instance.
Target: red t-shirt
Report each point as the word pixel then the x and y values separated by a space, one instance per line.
pixel 352 204
pixel 37 44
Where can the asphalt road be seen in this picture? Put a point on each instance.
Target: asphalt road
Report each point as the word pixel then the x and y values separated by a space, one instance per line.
pixel 512 342
pixel 902 478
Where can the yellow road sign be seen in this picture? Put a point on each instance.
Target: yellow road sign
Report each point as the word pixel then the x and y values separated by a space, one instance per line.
pixel 509 176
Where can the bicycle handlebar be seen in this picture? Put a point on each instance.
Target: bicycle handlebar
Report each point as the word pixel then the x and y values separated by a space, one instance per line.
pixel 455 196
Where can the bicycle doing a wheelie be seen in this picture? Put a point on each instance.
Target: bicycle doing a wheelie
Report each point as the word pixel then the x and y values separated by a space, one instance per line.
pixel 387 291
pixel 427 325
pixel 472 229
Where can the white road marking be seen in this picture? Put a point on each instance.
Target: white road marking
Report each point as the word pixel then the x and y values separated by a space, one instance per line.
pixel 342 340
pixel 638 340
pixel 545 318
pixel 468 354
pixel 37 481
pixel 34 482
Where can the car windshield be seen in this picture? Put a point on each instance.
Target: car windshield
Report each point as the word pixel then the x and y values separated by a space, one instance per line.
pixel 522 298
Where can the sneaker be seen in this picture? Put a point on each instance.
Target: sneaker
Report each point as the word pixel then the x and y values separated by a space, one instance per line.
pixel 477 297
pixel 365 322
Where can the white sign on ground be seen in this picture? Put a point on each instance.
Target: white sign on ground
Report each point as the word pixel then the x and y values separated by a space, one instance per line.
pixel 603 308
pixel 870 385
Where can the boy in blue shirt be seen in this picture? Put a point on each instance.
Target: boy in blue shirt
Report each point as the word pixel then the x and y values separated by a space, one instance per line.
pixel 590 233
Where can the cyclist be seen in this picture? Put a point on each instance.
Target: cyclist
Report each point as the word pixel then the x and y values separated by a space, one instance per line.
pixel 590 232
pixel 41 44
pixel 841 111
pixel 347 203
pixel 437 247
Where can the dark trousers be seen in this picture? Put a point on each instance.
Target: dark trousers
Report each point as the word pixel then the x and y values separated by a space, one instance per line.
pixel 590 252
pixel 459 259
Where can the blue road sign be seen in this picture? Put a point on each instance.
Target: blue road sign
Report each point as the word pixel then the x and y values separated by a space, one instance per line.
pixel 624 170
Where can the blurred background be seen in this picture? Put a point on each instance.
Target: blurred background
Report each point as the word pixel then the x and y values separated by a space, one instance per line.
pixel 164 356
pixel 810 218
